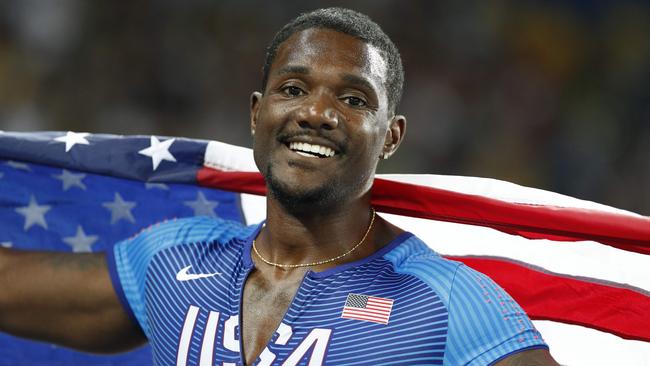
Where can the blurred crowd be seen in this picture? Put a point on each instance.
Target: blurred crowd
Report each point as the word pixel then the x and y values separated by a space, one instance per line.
pixel 550 94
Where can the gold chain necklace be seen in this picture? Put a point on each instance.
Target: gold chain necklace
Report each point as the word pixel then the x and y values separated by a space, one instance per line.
pixel 372 221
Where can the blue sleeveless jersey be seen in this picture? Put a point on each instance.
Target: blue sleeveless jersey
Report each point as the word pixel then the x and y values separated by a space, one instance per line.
pixel 182 282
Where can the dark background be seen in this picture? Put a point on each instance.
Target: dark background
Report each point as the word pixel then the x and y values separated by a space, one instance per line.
pixel 550 94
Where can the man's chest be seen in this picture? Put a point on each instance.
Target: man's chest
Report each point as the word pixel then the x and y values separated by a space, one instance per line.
pixel 266 298
pixel 353 319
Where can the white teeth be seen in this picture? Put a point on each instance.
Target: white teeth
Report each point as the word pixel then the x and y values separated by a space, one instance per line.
pixel 301 147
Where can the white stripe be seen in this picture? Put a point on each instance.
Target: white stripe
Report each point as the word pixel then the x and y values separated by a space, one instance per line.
pixel 254 208
pixel 228 157
pixel 586 259
pixel 580 346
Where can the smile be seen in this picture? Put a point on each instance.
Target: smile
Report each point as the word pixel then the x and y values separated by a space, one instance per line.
pixel 311 150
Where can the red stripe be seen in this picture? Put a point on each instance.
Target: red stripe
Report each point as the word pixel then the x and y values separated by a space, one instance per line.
pixel 382 314
pixel 363 316
pixel 380 300
pixel 620 311
pixel 243 182
pixel 367 311
pixel 530 221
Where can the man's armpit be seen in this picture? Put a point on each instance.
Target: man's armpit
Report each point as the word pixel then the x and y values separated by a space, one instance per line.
pixel 535 357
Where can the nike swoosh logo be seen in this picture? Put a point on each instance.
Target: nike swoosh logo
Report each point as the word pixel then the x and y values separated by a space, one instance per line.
pixel 184 275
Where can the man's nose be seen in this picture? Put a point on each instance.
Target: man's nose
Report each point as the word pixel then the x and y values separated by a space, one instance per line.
pixel 319 112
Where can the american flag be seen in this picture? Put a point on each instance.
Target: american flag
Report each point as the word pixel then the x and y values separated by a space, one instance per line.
pixel 368 308
pixel 584 281
pixel 64 191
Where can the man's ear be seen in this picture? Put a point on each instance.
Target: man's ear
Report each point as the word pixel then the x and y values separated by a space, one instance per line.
pixel 256 97
pixel 394 136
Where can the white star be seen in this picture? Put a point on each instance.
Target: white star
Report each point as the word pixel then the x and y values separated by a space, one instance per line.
pixel 201 206
pixel 158 151
pixel 156 186
pixel 71 180
pixel 73 138
pixel 6 244
pixel 18 165
pixel 120 209
pixel 34 214
pixel 80 242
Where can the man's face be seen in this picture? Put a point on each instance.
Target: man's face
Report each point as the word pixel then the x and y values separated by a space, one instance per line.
pixel 322 122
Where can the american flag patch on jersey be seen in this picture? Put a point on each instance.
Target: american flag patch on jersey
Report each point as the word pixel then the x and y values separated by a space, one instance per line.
pixel 368 308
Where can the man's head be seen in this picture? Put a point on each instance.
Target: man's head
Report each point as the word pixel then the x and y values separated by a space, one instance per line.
pixel 354 24
pixel 324 118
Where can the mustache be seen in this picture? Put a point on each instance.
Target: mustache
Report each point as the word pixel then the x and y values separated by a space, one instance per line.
pixel 340 144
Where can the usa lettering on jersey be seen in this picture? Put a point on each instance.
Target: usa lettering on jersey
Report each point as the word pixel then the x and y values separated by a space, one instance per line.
pixel 316 340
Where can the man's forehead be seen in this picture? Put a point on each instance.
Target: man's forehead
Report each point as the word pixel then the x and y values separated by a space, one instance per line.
pixel 323 43
pixel 377 63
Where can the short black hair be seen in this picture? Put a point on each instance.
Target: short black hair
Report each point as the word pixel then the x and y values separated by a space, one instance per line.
pixel 351 23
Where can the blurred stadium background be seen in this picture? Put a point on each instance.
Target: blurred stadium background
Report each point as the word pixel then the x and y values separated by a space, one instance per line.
pixel 550 94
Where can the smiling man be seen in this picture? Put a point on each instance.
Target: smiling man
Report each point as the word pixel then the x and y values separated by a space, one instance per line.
pixel 323 281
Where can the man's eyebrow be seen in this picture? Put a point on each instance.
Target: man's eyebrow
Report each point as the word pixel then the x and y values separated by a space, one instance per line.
pixel 357 80
pixel 293 69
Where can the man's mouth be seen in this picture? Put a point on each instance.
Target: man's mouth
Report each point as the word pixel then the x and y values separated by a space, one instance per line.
pixel 311 150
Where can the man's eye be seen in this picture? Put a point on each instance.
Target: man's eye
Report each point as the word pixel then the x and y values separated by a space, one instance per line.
pixel 355 101
pixel 293 91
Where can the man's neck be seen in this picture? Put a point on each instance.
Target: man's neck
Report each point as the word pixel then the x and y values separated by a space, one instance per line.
pixel 316 233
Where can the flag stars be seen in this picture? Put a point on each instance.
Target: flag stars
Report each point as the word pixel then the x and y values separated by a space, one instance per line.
pixel 80 242
pixel 34 214
pixel 120 209
pixel 158 151
pixel 202 206
pixel 70 180
pixel 73 138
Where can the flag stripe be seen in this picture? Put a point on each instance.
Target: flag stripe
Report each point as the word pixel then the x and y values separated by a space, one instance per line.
pixel 369 311
pixel 579 346
pixel 356 316
pixel 620 311
pixel 363 316
pixel 578 259
pixel 627 232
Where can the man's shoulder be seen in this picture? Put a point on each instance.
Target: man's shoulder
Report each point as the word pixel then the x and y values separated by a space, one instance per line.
pixel 413 254
pixel 414 257
pixel 189 230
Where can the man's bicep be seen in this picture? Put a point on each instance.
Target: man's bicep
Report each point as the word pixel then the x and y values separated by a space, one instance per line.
pixel 63 298
pixel 535 357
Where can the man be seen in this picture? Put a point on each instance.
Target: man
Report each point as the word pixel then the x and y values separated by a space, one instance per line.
pixel 323 281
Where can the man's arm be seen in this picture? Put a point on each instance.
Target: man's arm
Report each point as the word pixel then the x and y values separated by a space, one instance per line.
pixel 535 357
pixel 64 298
